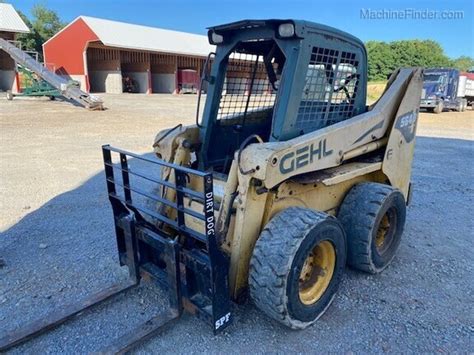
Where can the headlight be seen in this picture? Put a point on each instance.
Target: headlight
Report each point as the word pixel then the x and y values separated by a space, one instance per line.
pixel 216 38
pixel 286 30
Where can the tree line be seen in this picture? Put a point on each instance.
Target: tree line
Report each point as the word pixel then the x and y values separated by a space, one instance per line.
pixel 383 57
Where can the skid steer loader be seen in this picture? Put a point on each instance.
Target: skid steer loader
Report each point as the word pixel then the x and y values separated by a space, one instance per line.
pixel 286 177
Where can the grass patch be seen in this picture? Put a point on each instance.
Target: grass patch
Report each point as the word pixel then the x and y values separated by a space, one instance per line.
pixel 375 90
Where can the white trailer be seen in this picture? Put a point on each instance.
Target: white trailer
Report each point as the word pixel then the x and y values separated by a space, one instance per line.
pixel 466 87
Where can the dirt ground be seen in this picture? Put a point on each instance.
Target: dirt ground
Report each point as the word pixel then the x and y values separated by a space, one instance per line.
pixel 57 240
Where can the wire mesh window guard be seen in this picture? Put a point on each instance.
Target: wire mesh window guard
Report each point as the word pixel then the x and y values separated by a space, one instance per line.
pixel 330 89
pixel 247 94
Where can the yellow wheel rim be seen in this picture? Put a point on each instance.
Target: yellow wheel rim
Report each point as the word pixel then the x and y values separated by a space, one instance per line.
pixel 382 232
pixel 386 231
pixel 317 272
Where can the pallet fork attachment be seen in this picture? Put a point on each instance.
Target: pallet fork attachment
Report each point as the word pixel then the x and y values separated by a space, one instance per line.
pixel 188 264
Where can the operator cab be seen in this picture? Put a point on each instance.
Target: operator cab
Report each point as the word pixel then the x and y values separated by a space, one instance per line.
pixel 277 79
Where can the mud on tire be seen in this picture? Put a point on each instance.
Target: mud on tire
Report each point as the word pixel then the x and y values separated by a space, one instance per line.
pixel 373 217
pixel 280 255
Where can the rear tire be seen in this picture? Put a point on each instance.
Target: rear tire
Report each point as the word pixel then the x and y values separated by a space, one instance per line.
pixel 373 217
pixel 297 265
pixel 9 95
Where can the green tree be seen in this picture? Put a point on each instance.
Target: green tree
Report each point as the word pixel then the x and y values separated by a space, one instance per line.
pixel 384 57
pixel 381 60
pixel 463 63
pixel 426 53
pixel 27 40
pixel 45 23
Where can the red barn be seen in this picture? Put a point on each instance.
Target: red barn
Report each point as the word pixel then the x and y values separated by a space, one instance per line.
pixel 101 54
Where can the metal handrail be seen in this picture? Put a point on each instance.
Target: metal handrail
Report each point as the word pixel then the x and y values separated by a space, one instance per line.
pixel 203 77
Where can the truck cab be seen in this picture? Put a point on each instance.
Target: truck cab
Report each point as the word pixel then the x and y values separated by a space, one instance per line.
pixel 441 90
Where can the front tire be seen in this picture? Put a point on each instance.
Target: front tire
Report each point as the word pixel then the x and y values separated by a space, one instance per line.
pixel 373 216
pixel 297 265
pixel 9 95
pixel 439 107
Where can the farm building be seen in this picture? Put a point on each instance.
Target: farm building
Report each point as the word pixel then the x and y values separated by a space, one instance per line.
pixel 110 56
pixel 11 25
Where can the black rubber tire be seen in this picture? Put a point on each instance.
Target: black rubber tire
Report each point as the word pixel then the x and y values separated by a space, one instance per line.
pixel 439 107
pixel 361 214
pixel 278 257
pixel 153 205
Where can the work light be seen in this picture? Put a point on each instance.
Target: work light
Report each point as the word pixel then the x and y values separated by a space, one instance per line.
pixel 216 38
pixel 286 30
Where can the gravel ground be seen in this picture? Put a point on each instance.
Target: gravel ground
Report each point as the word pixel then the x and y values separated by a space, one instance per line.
pixel 58 243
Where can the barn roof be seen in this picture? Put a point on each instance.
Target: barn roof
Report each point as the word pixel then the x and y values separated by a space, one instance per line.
pixel 10 21
pixel 130 36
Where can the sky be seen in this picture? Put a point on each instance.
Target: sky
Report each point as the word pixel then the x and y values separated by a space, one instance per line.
pixel 390 20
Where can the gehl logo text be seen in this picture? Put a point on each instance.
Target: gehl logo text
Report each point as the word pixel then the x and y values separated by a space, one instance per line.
pixel 304 156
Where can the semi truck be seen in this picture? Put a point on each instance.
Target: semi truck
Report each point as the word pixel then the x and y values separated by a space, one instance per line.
pixel 447 88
